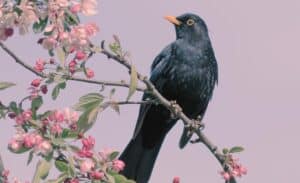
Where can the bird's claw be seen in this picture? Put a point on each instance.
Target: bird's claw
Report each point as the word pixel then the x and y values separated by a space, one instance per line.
pixel 176 107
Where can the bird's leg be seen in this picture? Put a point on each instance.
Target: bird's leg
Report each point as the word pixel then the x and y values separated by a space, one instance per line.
pixel 196 125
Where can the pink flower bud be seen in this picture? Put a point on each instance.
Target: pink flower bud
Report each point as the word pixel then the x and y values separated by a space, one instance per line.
pixel 36 82
pixel 9 32
pixel 118 165
pixel 176 180
pixel 56 129
pixel 86 166
pixel 14 145
pixel 12 115
pixel 96 175
pixel 29 140
pixel 44 89
pixel 80 55
pixel 226 176
pixel 89 73
pixel 27 115
pixel 84 153
pixel 39 65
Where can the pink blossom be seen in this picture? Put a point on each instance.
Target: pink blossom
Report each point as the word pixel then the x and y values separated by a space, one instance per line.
pixel 36 82
pixel 39 65
pixel 14 145
pixel 86 165
pixel 91 29
pixel 29 140
pixel 70 116
pixel 118 165
pixel 45 147
pixel 73 63
pixel 88 7
pixel 226 176
pixel 88 143
pixel 76 8
pixel 19 120
pixel 89 73
pixel 75 180
pixel 96 175
pixel 56 129
pixel 27 115
pixel 9 32
pixel 5 174
pixel 59 116
pixel 49 43
pixel 176 180
pixel 80 55
pixel 85 153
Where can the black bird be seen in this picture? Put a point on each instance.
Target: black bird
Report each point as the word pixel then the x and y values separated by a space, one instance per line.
pixel 185 71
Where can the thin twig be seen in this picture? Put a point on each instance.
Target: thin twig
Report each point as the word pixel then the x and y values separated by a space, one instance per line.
pixel 175 109
pixel 73 78
pixel 1 166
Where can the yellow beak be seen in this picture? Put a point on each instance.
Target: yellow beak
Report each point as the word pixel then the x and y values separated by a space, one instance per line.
pixel 173 20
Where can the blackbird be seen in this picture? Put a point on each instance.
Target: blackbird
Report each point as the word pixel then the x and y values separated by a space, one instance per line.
pixel 185 71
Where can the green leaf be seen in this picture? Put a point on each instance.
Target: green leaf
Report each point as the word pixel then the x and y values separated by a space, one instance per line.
pixel 4 85
pixel 236 149
pixel 13 107
pixel 55 92
pixel 114 155
pixel 42 170
pixel 133 82
pixel 20 151
pixel 61 55
pixel 87 119
pixel 39 26
pixel 36 103
pixel 88 101
pixel 67 133
pixel 30 157
pixel 62 166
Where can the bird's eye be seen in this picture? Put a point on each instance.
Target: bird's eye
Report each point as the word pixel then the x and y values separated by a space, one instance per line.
pixel 190 22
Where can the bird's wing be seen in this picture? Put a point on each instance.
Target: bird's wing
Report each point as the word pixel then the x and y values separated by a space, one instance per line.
pixel 158 69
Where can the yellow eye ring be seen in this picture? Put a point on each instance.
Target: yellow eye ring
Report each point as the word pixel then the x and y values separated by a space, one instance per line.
pixel 190 22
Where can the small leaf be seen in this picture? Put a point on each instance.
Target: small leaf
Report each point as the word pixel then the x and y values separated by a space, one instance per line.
pixel 30 157
pixel 88 101
pixel 19 151
pixel 113 155
pixel 36 103
pixel 120 178
pixel 60 179
pixel 236 149
pixel 62 166
pixel 55 92
pixel 133 82
pixel 67 133
pixel 13 107
pixel 39 26
pixel 4 85
pixel 42 170
pixel 225 151
pixel 58 142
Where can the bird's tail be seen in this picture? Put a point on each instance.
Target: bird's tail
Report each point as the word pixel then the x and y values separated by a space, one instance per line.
pixel 139 160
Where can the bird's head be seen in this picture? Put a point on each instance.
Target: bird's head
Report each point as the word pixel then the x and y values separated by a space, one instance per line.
pixel 189 26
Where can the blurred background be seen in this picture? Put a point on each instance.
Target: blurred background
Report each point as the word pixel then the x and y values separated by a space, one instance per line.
pixel 256 104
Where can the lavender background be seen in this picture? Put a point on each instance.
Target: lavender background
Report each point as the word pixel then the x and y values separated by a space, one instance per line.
pixel 256 103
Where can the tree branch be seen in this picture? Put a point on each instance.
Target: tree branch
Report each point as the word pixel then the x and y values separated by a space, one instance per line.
pixel 175 109
pixel 73 78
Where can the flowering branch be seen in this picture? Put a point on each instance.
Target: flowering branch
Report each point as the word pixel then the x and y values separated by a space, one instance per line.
pixel 72 78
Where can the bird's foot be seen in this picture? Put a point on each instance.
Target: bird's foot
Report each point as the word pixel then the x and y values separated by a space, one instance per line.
pixel 196 125
pixel 176 109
